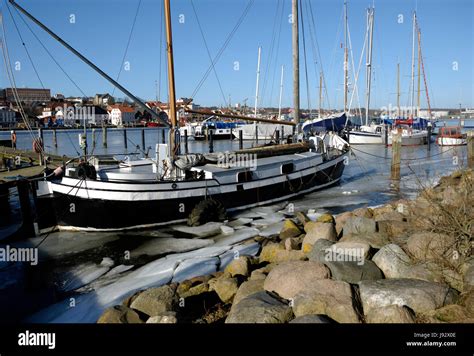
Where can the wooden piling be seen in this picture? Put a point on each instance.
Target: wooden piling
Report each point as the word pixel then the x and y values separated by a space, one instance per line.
pixel 256 134
pixel 231 134
pixel 241 140
pixel 211 141
pixel 104 136
pixel 143 139
pixel 429 137
pixel 41 142
pixel 55 139
pixel 186 151
pixel 470 149
pixel 277 136
pixel 386 135
pixel 163 138
pixel 396 151
pixel 125 141
pixel 94 142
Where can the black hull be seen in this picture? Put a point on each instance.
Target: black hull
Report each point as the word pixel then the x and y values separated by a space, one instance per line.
pixel 96 214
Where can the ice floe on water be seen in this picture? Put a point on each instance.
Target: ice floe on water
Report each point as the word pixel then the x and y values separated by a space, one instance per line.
pixel 87 307
pixel 206 230
pixel 161 246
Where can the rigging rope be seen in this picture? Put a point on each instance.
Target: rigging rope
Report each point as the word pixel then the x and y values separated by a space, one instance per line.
pixel 315 39
pixel 277 52
pixel 270 55
pixel 308 96
pixel 224 46
pixel 128 44
pixel 402 159
pixel 209 53
pixel 50 55
pixel 24 46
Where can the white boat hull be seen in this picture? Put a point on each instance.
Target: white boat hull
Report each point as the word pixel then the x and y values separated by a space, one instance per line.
pixel 365 138
pixel 451 141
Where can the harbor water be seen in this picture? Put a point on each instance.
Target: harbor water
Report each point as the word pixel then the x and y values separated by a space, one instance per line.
pixel 91 268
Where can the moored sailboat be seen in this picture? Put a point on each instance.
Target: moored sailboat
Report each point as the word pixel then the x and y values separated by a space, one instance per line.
pixel 96 195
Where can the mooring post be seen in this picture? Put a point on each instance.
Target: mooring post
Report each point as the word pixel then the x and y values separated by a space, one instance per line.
pixel 396 150
pixel 386 135
pixel 28 229
pixel 211 141
pixel 104 135
pixel 241 140
pixel 256 134
pixel 231 134
pixel 277 136
pixel 143 139
pixel 470 149
pixel 93 138
pixel 163 139
pixel 125 142
pixel 41 144
pixel 186 141
pixel 55 138
pixel 429 136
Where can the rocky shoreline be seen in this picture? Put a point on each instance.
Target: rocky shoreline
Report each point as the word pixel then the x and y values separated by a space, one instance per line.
pixel 409 261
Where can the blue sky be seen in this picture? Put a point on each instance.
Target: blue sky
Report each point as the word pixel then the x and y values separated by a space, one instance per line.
pixel 102 28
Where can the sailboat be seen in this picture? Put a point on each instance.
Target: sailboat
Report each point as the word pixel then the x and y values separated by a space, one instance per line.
pixel 373 132
pixel 94 195
pixel 265 131
pixel 413 129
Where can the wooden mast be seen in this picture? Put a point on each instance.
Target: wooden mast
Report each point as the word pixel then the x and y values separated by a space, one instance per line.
pixel 296 63
pixel 171 87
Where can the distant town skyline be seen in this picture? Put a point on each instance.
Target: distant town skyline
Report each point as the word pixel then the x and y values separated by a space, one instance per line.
pixel 447 31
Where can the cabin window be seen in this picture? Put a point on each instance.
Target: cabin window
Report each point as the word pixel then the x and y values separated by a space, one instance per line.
pixel 287 168
pixel 243 177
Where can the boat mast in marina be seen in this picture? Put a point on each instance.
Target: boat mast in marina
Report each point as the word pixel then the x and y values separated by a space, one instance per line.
pixel 258 77
pixel 398 90
pixel 296 63
pixel 320 94
pixel 412 83
pixel 281 93
pixel 370 27
pixel 171 86
pixel 346 59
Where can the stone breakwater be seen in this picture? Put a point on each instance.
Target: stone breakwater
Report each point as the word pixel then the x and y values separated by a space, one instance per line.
pixel 409 261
